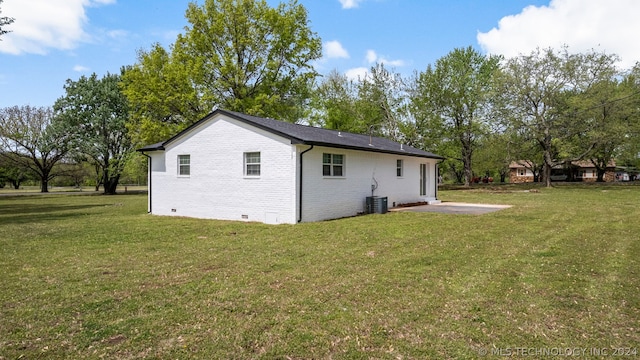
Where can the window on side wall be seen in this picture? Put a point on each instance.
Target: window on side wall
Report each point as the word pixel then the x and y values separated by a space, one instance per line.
pixel 184 165
pixel 252 164
pixel 332 165
pixel 399 168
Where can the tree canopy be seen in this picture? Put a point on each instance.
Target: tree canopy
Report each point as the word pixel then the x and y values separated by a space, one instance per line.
pixel 453 96
pixel 98 111
pixel 32 138
pixel 4 21
pixel 538 99
pixel 241 55
pixel 372 105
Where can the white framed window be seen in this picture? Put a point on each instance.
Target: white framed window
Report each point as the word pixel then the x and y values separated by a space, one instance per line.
pixel 333 164
pixel 252 163
pixel 522 172
pixel 184 165
pixel 399 168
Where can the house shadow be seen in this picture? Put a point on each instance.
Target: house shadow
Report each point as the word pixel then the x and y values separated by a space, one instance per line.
pixel 29 213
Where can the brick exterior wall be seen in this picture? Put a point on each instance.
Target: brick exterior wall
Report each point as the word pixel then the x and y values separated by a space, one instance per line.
pixel 333 197
pixel 609 176
pixel 514 178
pixel 217 187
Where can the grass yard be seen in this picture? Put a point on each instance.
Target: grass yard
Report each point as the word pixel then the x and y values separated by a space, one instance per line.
pixel 97 277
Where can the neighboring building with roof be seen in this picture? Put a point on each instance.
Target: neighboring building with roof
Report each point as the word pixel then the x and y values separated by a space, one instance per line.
pixel 523 171
pixel 233 166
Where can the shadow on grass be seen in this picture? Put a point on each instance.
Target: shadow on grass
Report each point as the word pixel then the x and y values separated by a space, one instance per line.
pixel 528 186
pixel 28 213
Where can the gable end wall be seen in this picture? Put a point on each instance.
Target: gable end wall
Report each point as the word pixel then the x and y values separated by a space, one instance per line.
pixel 217 187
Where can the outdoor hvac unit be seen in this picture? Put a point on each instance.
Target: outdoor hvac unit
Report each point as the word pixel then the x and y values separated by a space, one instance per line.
pixel 376 205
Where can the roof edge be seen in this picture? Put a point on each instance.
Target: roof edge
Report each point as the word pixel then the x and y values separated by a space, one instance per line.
pixel 374 149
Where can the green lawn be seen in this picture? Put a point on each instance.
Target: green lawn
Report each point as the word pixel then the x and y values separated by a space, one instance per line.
pixel 97 277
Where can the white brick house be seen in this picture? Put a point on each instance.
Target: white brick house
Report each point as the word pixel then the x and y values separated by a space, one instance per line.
pixel 233 166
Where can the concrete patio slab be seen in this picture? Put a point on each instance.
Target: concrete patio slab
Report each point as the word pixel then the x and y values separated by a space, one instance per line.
pixel 454 208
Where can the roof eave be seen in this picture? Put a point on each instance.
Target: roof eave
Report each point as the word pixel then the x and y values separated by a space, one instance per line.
pixel 153 147
pixel 371 149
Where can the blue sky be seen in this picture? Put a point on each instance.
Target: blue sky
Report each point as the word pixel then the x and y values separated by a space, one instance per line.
pixel 56 40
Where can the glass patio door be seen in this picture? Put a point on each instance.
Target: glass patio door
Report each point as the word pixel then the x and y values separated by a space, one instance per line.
pixel 424 179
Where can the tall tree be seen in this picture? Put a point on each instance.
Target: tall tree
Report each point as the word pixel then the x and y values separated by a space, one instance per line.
pixel 535 100
pixel 98 110
pixel 333 104
pixel 4 21
pixel 382 100
pixel 453 96
pixel 609 109
pixel 374 104
pixel 629 153
pixel 33 139
pixel 162 96
pixel 12 172
pixel 493 156
pixel 240 55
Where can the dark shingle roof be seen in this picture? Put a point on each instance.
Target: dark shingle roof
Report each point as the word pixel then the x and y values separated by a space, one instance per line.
pixel 309 135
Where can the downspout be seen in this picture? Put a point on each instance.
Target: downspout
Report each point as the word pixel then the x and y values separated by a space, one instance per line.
pixel 150 182
pixel 300 187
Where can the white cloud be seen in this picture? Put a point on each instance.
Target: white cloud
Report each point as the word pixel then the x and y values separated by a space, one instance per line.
pixel 372 58
pixel 42 25
pixel 115 34
pixel 334 50
pixel 355 74
pixel 350 4
pixel 80 68
pixel 604 26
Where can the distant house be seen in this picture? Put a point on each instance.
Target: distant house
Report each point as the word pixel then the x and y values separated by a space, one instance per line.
pixel 523 171
pixel 233 166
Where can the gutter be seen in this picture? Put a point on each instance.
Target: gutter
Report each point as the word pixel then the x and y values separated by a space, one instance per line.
pixel 300 187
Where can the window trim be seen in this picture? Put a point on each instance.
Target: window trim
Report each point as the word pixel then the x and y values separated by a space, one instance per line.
pixel 399 168
pixel 246 164
pixel 333 165
pixel 182 166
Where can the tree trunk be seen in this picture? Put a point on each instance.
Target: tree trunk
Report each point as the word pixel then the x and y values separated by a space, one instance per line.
pixel 546 175
pixel 44 186
pixel 110 188
pixel 110 185
pixel 467 171
pixel 467 152
pixel 459 174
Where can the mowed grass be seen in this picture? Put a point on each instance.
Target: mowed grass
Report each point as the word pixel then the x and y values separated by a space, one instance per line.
pixel 97 277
